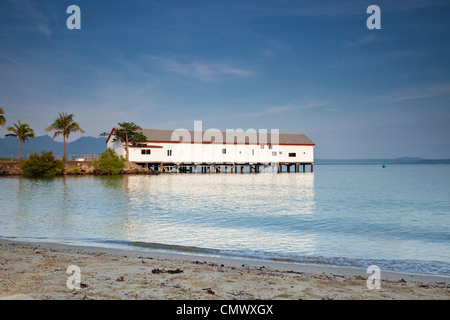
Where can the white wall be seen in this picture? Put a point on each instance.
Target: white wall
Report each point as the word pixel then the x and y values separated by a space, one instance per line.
pixel 117 147
pixel 212 153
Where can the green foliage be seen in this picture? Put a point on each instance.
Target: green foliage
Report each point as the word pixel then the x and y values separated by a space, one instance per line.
pixel 128 133
pixel 110 162
pixel 64 125
pixel 75 170
pixel 21 131
pixel 2 118
pixel 43 165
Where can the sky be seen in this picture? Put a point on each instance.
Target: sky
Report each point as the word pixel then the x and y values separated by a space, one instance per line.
pixel 311 67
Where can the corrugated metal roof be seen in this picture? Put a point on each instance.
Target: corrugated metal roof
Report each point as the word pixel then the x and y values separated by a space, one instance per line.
pixel 158 135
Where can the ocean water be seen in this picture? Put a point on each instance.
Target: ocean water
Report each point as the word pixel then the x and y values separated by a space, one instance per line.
pixel 396 217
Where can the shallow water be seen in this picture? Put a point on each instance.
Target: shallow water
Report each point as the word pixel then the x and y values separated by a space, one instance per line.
pixel 349 215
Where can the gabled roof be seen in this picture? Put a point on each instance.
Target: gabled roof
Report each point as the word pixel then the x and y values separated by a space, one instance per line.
pixel 210 136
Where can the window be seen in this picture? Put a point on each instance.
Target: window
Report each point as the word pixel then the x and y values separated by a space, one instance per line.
pixel 169 153
pixel 146 151
pixel 292 154
pixel 262 146
pixel 224 151
pixel 270 147
pixel 253 152
pixel 281 152
pixel 274 153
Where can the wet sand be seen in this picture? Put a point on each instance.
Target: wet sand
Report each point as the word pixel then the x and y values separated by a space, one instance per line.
pixel 39 271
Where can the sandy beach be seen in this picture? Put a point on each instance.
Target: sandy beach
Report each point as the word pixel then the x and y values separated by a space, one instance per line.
pixel 39 271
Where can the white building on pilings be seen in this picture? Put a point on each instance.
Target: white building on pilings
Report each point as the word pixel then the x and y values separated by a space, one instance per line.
pixel 216 151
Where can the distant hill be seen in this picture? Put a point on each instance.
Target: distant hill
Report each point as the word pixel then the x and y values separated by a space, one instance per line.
pixel 9 146
pixel 402 160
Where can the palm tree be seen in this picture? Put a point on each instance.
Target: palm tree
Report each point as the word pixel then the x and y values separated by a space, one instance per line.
pixel 2 118
pixel 64 125
pixel 21 131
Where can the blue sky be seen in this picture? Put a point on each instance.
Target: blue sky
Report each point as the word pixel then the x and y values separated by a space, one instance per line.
pixel 308 67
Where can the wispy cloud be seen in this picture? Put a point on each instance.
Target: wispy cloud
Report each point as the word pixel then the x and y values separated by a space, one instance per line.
pixel 419 92
pixel 362 41
pixel 39 21
pixel 297 105
pixel 200 70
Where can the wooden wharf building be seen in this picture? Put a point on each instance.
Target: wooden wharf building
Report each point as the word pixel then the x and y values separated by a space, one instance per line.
pixel 213 151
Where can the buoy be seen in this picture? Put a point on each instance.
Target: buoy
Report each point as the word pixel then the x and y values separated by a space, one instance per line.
pixel 384 166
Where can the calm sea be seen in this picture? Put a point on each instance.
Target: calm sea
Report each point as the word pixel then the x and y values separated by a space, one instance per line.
pixel 396 217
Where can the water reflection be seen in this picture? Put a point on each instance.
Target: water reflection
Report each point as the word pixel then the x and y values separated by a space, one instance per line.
pixel 257 213
pixel 242 212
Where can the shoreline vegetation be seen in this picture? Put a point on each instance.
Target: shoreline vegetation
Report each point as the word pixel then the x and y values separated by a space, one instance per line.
pixel 79 168
pixel 34 270
pixel 12 168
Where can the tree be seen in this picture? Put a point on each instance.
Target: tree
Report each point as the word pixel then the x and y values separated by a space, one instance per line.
pixel 64 125
pixel 2 118
pixel 21 131
pixel 128 133
pixel 110 162
pixel 43 165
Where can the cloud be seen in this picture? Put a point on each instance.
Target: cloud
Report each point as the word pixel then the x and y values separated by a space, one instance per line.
pixel 39 20
pixel 365 40
pixel 419 92
pixel 200 70
pixel 299 105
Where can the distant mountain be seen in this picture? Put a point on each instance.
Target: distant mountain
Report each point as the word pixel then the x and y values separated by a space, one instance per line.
pixel 9 146
pixel 402 160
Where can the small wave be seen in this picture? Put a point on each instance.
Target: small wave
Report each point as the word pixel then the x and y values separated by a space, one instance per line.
pixel 404 266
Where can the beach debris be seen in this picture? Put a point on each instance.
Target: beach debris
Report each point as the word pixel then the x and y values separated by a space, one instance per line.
pixel 177 270
pixel 120 279
pixel 326 277
pixel 208 290
pixel 158 271
pixel 83 285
